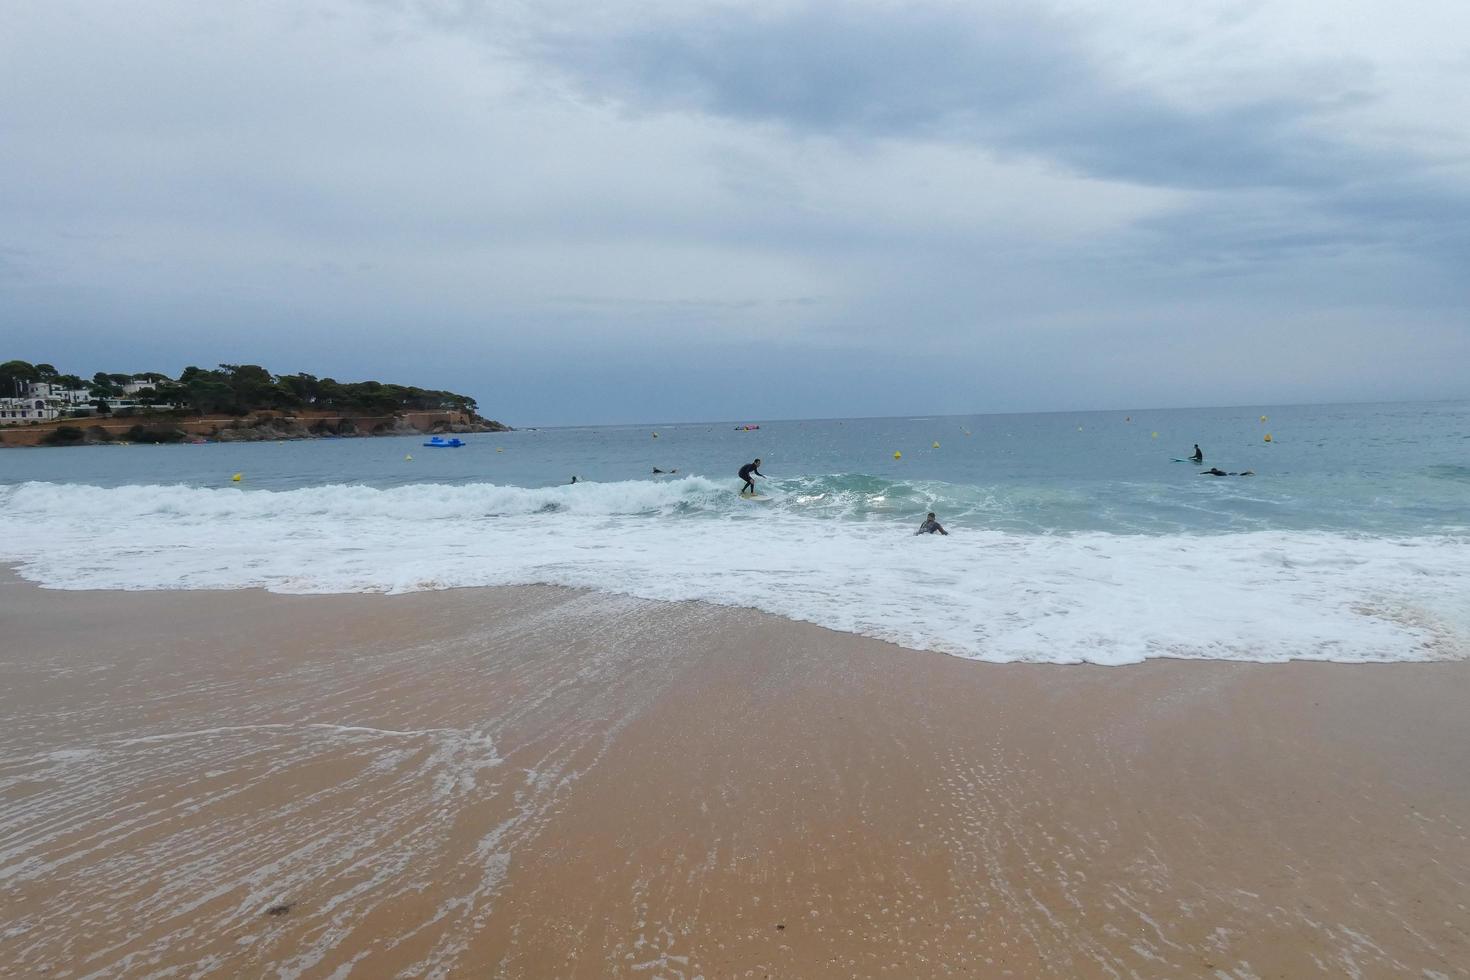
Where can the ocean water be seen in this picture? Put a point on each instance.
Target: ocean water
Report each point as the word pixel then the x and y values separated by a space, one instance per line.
pixel 1074 536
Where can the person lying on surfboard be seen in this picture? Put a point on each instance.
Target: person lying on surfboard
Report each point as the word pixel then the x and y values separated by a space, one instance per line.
pixel 930 525
pixel 746 471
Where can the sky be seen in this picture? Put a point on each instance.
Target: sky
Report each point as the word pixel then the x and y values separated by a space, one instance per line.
pixel 602 212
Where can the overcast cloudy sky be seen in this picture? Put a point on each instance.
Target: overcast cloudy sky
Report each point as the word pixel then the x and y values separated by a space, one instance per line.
pixel 597 212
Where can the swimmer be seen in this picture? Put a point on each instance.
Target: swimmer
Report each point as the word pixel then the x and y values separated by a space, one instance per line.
pixel 930 526
pixel 659 472
pixel 1216 471
pixel 745 474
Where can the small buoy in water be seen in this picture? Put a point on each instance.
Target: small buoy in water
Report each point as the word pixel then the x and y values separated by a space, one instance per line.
pixel 1153 435
pixel 1268 437
pixel 655 435
pixel 935 446
pixel 238 477
pixel 408 458
pixel 1263 418
pixel 1079 428
pixel 897 454
pixel 499 449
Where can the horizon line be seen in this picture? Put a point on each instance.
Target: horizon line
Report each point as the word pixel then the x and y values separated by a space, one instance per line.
pixel 961 415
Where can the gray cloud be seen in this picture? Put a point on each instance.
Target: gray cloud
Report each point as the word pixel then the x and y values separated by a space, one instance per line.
pixel 1023 81
pixel 1018 81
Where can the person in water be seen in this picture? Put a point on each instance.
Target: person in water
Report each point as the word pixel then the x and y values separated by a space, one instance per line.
pixel 1199 454
pixel 659 472
pixel 1216 471
pixel 930 526
pixel 746 471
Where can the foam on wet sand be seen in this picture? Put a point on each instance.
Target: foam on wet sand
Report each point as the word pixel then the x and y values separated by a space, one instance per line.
pixel 542 782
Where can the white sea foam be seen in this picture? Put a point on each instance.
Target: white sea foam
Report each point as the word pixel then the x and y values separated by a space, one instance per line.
pixel 985 594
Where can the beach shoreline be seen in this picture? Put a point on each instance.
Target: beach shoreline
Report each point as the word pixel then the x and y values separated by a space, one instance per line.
pixel 535 781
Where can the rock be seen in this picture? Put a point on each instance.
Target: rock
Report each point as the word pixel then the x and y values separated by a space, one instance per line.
pixel 479 425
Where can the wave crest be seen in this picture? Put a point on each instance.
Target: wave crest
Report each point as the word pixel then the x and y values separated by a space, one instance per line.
pixel 983 592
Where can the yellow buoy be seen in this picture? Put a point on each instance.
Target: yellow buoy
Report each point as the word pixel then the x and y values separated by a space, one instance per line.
pixel 1263 418
pixel 238 477
pixel 897 454
pixel 1268 437
pixel 1153 435
pixel 499 450
pixel 935 446
pixel 408 458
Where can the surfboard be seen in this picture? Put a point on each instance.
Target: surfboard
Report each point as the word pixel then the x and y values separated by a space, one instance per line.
pixel 746 496
pixel 1186 459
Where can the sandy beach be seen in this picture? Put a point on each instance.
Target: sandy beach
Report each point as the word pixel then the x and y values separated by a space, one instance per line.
pixel 538 782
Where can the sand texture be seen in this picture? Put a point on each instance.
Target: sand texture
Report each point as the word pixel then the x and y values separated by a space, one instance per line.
pixel 536 782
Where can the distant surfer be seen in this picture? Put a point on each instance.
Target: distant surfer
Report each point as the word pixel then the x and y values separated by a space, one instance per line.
pixel 1216 471
pixel 659 472
pixel 931 526
pixel 1199 454
pixel 574 480
pixel 745 473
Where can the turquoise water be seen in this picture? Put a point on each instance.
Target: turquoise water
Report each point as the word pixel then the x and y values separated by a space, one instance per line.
pixel 1074 537
pixel 1397 468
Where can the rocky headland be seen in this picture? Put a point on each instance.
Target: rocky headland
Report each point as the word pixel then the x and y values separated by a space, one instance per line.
pixel 256 427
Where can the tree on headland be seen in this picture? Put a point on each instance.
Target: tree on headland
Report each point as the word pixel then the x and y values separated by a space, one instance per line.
pixel 102 386
pixel 14 374
pixel 238 389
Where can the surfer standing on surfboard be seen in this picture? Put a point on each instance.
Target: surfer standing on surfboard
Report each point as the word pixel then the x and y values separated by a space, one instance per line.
pixel 746 471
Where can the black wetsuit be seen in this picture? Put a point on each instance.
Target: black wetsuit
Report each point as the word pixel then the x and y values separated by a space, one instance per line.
pixel 929 527
pixel 745 472
pixel 1199 455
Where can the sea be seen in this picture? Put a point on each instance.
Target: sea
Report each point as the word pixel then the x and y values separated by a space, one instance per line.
pixel 1074 537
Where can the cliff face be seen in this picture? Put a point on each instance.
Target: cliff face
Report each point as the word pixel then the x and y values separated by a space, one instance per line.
pixel 256 427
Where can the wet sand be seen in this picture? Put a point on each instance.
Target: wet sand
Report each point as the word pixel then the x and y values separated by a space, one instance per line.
pixel 536 782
